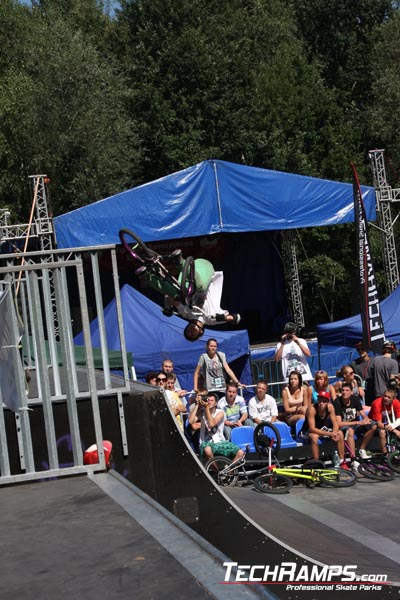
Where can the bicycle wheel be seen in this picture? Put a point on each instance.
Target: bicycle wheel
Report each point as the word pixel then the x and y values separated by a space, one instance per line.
pixel 135 246
pixel 337 477
pixel 218 469
pixel 266 436
pixel 375 472
pixel 271 483
pixel 188 283
pixel 393 461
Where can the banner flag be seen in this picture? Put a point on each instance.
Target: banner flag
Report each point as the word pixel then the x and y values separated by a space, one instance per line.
pixel 371 316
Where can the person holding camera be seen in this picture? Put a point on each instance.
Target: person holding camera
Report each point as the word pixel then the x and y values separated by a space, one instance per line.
pixel 211 419
pixel 293 352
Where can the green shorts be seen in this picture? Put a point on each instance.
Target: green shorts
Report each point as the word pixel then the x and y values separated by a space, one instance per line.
pixel 222 448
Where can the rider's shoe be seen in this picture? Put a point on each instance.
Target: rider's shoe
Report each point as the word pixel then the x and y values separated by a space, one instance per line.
pixel 141 270
pixel 236 319
pixel 175 257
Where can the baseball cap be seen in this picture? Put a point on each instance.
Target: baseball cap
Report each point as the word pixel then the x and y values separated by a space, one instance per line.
pixel 91 456
pixel 325 395
pixel 389 344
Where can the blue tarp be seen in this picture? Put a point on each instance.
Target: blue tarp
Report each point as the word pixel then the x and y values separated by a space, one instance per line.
pixel 212 197
pixel 152 337
pixel 348 332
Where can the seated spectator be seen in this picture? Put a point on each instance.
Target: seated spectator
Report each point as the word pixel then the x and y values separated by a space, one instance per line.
pixel 212 439
pixel 321 422
pixel 262 407
pixel 151 378
pixel 175 402
pixel 321 384
pixel 234 408
pixel 192 428
pixel 295 399
pixel 385 411
pixel 347 375
pixel 161 379
pixel 348 409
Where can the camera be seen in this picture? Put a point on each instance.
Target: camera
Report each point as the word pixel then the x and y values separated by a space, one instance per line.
pixel 392 383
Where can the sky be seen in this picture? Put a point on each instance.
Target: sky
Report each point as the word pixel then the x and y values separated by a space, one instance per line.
pixel 112 3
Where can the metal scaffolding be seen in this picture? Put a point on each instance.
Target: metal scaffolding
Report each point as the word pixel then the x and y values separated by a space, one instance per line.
pixel 292 276
pixel 385 197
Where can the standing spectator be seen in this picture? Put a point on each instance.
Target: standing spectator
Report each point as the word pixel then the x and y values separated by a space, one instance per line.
pixel 385 367
pixel 295 399
pixel 213 367
pixel 321 384
pixel 363 367
pixel 234 408
pixel 386 412
pixel 293 352
pixel 348 409
pixel 151 377
pixel 168 367
pixel 212 439
pixel 262 407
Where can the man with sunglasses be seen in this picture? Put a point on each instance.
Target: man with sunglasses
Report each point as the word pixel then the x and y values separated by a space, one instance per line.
pixel 385 411
pixel 363 367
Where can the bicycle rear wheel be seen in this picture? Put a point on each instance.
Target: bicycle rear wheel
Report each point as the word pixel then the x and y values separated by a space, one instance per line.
pixel 271 483
pixel 393 461
pixel 337 477
pixel 218 469
pixel 375 472
pixel 188 283
pixel 266 436
pixel 135 246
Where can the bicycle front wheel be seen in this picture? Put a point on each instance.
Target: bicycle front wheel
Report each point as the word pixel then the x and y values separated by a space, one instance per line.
pixel 394 461
pixel 188 283
pixel 218 469
pixel 135 246
pixel 266 436
pixel 337 477
pixel 271 483
pixel 375 472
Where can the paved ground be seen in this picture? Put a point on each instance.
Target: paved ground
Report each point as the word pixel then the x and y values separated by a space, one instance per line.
pixel 357 525
pixel 77 539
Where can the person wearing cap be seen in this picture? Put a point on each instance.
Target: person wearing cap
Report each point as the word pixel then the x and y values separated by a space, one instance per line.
pixel 363 367
pixel 293 352
pixel 348 410
pixel 320 422
pixel 385 368
pixel 91 455
pixel 385 411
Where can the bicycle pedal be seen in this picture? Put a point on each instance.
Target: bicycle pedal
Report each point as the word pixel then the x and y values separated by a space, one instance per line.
pixel 141 270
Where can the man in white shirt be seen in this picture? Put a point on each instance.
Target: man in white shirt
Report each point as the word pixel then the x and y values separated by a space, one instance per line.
pixel 293 352
pixel 262 407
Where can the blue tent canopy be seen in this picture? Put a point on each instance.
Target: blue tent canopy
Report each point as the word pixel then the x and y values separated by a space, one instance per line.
pixel 348 332
pixel 152 337
pixel 212 197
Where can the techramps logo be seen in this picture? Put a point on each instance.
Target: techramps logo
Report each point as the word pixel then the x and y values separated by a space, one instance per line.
pixel 302 578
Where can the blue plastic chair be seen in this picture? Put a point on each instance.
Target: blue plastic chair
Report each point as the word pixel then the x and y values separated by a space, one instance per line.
pixel 244 438
pixel 286 435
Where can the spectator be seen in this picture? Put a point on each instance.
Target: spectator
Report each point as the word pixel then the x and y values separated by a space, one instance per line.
pixel 386 412
pixel 348 409
pixel 321 384
pixel 175 402
pixel 262 407
pixel 151 378
pixel 212 439
pixel 320 422
pixel 168 367
pixel 293 352
pixel 363 367
pixel 385 367
pixel 193 427
pixel 295 399
pixel 213 367
pixel 161 379
pixel 347 374
pixel 235 410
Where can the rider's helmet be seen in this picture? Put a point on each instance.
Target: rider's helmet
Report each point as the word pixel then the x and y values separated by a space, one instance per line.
pixel 193 330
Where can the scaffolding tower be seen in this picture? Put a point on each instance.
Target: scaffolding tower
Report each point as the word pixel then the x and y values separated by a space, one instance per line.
pixel 292 276
pixel 385 197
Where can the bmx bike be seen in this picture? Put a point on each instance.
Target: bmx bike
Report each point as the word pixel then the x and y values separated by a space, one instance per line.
pixel 150 262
